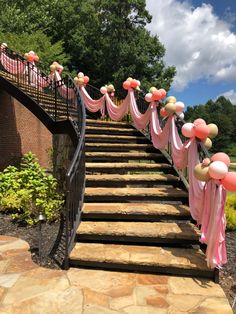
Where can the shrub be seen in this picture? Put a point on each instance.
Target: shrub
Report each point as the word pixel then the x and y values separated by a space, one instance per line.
pixel 27 191
pixel 230 210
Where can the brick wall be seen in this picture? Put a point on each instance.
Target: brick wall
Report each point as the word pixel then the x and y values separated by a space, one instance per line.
pixel 21 132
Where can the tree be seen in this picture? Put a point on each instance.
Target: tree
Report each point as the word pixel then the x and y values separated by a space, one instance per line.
pixel 223 113
pixel 111 43
pixel 106 39
pixel 40 44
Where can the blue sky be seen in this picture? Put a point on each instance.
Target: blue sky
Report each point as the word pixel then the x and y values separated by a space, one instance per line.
pixel 200 40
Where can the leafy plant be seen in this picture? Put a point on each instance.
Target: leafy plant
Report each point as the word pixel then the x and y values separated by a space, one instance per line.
pixel 27 191
pixel 230 210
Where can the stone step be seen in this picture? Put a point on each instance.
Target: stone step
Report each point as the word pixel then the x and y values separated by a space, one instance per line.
pixel 114 147
pixel 110 124
pixel 120 180
pixel 150 259
pixel 119 156
pixel 111 194
pixel 111 130
pixel 124 167
pixel 107 138
pixel 147 233
pixel 134 211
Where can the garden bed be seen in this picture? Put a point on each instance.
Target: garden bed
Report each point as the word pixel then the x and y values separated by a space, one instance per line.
pixel 50 231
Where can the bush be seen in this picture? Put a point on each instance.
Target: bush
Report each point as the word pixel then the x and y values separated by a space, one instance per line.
pixel 27 191
pixel 230 210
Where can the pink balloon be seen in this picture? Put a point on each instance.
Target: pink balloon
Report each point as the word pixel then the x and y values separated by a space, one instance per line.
pixel 86 79
pixel 163 93
pixel 199 121
pixel 179 106
pixel 221 157
pixel 201 131
pixel 134 83
pixel 188 130
pixel 218 170
pixel 126 85
pixel 229 181
pixel 163 112
pixel 103 90
pixel 206 162
pixel 156 95
pixel 148 97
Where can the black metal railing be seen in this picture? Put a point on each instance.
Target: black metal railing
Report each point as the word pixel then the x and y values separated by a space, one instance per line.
pixel 62 101
pixel 50 94
pixel 75 183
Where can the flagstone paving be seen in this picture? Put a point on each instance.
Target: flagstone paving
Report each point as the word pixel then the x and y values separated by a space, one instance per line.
pixel 27 288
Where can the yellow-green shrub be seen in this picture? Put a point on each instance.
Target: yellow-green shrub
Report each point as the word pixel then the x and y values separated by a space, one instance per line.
pixel 230 210
pixel 27 191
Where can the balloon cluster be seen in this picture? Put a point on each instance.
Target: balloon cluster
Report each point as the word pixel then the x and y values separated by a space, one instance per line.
pixel 55 66
pixel 31 56
pixel 217 168
pixel 155 94
pixel 172 106
pixel 131 83
pixel 201 130
pixel 3 46
pixel 81 79
pixel 108 89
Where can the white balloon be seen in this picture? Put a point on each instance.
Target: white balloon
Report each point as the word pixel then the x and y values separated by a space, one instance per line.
pixel 179 106
pixel 188 129
pixel 218 170
pixel 180 114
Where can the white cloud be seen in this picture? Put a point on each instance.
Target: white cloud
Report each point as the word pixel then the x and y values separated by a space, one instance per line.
pixel 231 95
pixel 197 42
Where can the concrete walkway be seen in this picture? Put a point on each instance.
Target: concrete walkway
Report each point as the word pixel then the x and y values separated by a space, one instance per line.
pixel 27 288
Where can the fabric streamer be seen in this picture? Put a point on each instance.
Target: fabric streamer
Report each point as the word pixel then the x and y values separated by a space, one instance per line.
pixel 12 66
pixel 64 91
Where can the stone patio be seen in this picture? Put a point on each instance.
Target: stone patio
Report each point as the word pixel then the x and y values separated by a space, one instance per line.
pixel 27 288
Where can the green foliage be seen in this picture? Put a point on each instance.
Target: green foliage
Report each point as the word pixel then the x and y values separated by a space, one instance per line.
pixel 27 191
pixel 106 39
pixel 230 210
pixel 223 113
pixel 40 44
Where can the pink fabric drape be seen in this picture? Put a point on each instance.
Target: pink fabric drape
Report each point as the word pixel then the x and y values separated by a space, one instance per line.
pixel 140 120
pixel 213 224
pixel 160 138
pixel 92 104
pixel 12 66
pixel 36 78
pixel 65 92
pixel 195 186
pixel 179 151
pixel 115 112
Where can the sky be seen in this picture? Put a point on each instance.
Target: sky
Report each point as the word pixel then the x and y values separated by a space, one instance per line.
pixel 200 41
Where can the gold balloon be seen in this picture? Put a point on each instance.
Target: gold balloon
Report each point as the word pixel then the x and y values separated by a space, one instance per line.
pixel 207 143
pixel 110 88
pixel 213 130
pixel 152 89
pixel 76 80
pixel 201 173
pixel 53 67
pixel 80 80
pixel 129 79
pixel 170 108
pixel 171 99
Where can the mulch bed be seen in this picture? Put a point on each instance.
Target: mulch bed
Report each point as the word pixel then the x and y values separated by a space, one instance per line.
pixel 50 231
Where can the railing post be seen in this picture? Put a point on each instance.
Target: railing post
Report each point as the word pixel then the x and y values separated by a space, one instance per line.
pixel 55 98
pixel 67 97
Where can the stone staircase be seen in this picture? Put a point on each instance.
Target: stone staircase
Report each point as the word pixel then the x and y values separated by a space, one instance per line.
pixel 135 215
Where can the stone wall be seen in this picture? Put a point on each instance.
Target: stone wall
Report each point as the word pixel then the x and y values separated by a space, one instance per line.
pixel 63 151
